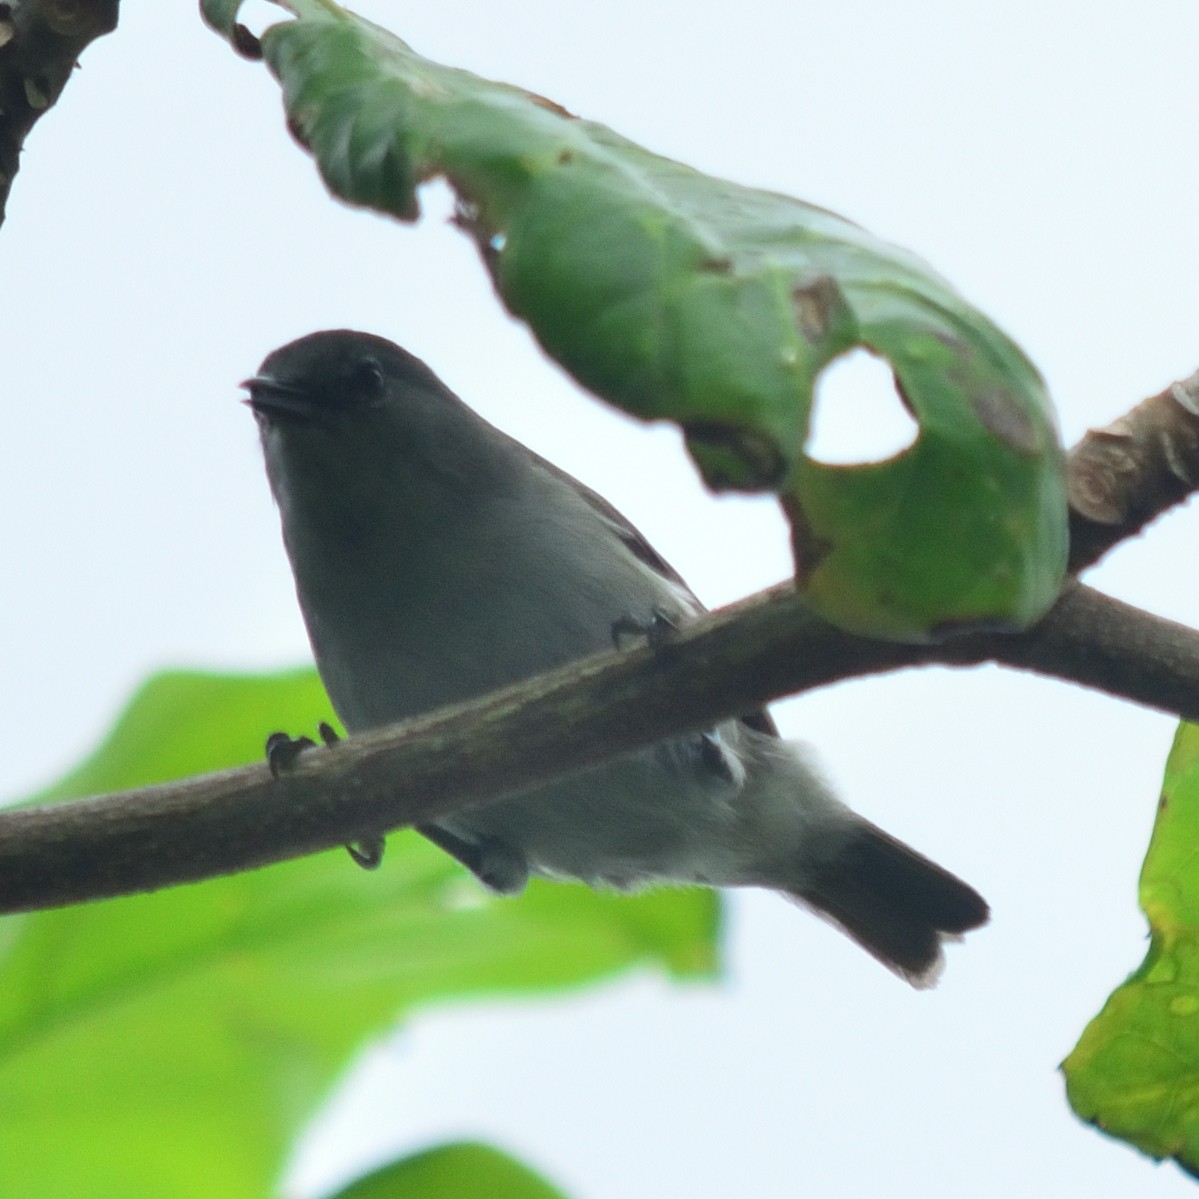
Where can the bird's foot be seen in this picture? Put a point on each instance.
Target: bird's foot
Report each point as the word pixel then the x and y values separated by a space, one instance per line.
pixel 283 752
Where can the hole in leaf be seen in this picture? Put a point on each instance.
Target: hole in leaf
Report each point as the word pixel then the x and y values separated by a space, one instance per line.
pixel 255 16
pixel 438 203
pixel 858 415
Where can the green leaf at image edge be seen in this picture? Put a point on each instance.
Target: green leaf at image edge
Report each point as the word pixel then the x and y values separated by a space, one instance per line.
pixel 144 1031
pixel 684 297
pixel 1135 1070
pixel 458 1171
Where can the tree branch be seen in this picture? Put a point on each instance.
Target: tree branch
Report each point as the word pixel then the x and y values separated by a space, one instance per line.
pixel 40 44
pixel 1128 474
pixel 538 730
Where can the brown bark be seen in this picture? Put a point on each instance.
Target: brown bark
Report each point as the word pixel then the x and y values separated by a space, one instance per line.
pixel 1126 475
pixel 40 45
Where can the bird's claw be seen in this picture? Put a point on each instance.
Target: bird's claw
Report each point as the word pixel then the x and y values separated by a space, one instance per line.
pixel 283 752
pixel 367 852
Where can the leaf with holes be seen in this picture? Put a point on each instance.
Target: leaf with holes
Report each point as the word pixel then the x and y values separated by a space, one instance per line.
pixel 138 1034
pixel 679 296
pixel 1135 1070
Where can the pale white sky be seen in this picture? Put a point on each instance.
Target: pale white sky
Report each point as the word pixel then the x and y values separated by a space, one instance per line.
pixel 165 233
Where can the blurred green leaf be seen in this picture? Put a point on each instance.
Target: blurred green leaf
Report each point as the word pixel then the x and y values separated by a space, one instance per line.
pixel 681 296
pixel 1135 1071
pixel 175 1044
pixel 459 1171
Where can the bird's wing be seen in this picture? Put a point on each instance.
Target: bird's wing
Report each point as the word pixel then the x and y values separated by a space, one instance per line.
pixel 760 721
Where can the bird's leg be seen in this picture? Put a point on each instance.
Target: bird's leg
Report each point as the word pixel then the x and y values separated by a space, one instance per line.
pixel 282 753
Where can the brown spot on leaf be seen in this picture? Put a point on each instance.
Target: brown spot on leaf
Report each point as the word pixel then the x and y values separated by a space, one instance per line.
pixel 552 105
pixel 1001 415
pixel 717 266
pixel 819 306
pixel 949 341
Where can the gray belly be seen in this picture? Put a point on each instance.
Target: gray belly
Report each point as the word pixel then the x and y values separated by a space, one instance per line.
pixel 649 816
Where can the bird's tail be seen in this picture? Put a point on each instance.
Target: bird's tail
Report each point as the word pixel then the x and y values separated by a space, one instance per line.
pixel 893 901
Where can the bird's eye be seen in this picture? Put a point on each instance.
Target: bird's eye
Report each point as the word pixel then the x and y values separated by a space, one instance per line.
pixel 365 381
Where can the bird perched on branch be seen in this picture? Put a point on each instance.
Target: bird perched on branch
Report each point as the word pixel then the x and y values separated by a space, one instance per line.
pixel 436 559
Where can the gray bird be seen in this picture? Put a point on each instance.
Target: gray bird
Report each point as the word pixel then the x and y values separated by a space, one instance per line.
pixel 436 559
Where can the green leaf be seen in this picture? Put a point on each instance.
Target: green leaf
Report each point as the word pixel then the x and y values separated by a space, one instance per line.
pixel 676 295
pixel 459 1171
pixel 1135 1071
pixel 221 15
pixel 178 1042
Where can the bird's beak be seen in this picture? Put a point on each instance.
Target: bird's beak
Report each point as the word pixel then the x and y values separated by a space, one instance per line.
pixel 274 400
